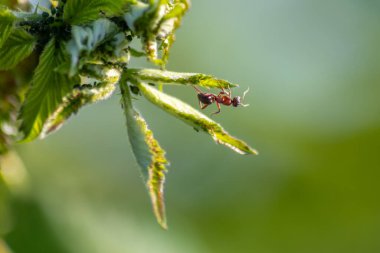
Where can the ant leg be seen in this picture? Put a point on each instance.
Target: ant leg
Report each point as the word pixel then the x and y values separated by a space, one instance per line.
pixel 226 92
pixel 200 104
pixel 198 90
pixel 218 105
pixel 220 95
pixel 223 92
pixel 204 106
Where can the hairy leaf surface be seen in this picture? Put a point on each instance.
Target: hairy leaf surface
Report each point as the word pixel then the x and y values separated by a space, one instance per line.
pixel 17 47
pixel 84 11
pixel 149 155
pixel 87 39
pixel 47 91
pixel 168 24
pixel 170 77
pixel 194 118
pixel 75 100
pixel 156 22
pixel 135 11
pixel 6 24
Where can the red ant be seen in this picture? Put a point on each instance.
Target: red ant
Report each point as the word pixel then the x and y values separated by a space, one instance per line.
pixel 224 97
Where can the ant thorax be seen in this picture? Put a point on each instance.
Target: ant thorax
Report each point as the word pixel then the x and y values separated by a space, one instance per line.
pixel 223 99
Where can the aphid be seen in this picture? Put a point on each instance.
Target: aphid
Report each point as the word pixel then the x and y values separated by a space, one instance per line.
pixel 224 97
pixel 45 14
pixel 134 89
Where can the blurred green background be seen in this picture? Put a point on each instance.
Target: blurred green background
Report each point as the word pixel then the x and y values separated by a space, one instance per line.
pixel 313 68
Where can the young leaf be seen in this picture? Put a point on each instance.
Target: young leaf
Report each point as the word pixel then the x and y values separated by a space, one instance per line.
pixel 165 47
pixel 169 23
pixel 149 26
pixel 84 11
pixel 149 155
pixel 17 47
pixel 144 16
pixel 87 39
pixel 136 53
pixel 156 22
pixel 194 118
pixel 47 91
pixel 169 77
pixel 6 24
pixel 135 12
pixel 75 100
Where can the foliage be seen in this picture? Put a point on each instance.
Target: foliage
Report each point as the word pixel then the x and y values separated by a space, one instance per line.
pixel 17 47
pixel 149 155
pixel 47 91
pixel 84 50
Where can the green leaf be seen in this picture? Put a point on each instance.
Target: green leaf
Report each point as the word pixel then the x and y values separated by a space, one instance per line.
pixel 47 91
pixel 178 9
pixel 165 47
pixel 6 24
pixel 87 39
pixel 71 103
pixel 136 53
pixel 168 24
pixel 149 155
pixel 84 11
pixel 164 31
pixel 156 22
pixel 194 118
pixel 135 12
pixel 149 24
pixel 169 77
pixel 17 47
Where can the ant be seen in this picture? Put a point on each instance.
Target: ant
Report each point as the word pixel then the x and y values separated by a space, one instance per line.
pixel 224 97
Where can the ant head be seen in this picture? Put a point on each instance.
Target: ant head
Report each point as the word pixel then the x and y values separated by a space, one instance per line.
pixel 236 101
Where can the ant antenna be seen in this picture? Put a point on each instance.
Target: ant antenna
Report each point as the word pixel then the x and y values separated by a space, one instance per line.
pixel 245 92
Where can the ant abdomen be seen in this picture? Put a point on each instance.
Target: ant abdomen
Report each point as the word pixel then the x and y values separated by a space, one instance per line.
pixel 206 98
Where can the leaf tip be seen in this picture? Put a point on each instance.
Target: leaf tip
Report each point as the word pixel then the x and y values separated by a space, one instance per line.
pixel 246 150
pixel 158 204
pixel 252 151
pixel 159 212
pixel 163 224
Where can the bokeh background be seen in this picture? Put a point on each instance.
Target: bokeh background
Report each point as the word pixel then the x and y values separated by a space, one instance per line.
pixel 313 68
